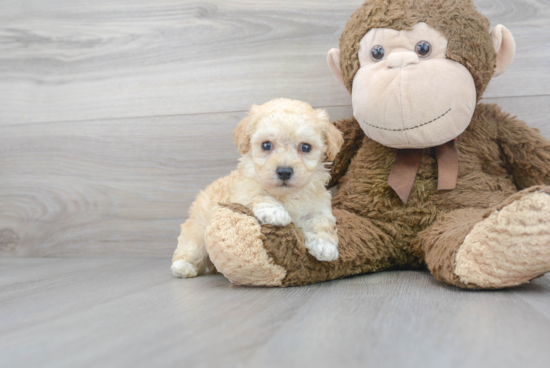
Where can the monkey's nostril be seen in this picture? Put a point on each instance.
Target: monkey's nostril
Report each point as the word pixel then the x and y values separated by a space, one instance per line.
pixel 284 173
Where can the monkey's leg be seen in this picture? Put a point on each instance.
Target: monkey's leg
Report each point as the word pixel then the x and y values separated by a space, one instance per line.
pixel 248 253
pixel 501 247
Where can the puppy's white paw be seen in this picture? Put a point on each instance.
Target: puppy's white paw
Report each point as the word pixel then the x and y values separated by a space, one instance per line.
pixel 272 215
pixel 322 249
pixel 183 269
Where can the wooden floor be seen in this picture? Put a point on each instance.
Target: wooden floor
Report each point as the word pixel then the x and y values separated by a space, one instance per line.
pixel 132 313
pixel 114 114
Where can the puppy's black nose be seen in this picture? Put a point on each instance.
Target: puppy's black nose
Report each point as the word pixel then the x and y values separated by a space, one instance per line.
pixel 284 173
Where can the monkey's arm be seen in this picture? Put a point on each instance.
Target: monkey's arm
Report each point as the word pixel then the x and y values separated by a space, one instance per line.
pixel 353 138
pixel 526 152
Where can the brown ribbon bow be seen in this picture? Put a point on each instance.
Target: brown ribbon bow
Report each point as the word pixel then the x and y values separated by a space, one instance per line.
pixel 407 162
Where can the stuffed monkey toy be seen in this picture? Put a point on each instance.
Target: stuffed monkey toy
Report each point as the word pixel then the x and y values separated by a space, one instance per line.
pixel 427 176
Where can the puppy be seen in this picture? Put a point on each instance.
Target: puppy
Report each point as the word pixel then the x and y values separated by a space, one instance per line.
pixel 281 177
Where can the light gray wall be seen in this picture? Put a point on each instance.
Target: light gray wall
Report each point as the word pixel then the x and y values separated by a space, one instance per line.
pixel 114 114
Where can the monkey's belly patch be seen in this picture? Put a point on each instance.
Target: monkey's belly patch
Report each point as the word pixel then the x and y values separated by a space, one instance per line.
pixel 411 128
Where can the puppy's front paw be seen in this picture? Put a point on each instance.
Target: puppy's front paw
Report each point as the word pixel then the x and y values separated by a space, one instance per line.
pixel 183 269
pixel 322 249
pixel 272 215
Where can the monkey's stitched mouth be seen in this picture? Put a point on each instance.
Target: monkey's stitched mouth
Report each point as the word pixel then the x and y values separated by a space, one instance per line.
pixel 411 128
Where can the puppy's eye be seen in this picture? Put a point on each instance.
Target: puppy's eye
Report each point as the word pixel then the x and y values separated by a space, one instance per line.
pixel 377 53
pixel 267 146
pixel 423 49
pixel 305 147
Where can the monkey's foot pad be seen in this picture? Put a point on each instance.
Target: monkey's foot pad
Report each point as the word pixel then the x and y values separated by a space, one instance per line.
pixel 510 247
pixel 234 242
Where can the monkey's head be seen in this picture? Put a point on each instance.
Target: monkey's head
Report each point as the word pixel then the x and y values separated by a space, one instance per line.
pixel 417 68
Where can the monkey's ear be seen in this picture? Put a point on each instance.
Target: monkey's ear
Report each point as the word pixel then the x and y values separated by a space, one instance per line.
pixel 334 142
pixel 241 136
pixel 505 47
pixel 333 60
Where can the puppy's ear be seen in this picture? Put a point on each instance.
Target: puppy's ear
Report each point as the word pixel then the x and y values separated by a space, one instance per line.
pixel 334 142
pixel 241 136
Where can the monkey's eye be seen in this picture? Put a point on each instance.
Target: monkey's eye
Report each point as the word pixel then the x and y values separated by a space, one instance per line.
pixel 305 147
pixel 377 53
pixel 267 146
pixel 423 49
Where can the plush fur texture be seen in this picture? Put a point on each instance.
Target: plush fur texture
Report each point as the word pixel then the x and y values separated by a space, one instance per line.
pixel 302 199
pixel 511 245
pixel 503 176
pixel 400 101
pixel 353 139
pixel 466 30
pixel 238 233
pixel 377 231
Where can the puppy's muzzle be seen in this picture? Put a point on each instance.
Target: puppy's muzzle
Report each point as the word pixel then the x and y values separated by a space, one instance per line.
pixel 284 173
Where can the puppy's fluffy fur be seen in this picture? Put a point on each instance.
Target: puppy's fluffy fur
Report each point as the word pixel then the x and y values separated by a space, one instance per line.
pixel 303 199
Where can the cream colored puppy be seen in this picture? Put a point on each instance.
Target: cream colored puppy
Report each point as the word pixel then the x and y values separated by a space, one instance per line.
pixel 281 177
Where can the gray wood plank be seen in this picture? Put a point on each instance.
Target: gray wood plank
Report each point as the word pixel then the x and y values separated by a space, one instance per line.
pixel 129 312
pixel 63 61
pixel 535 295
pixel 122 187
pixel 115 187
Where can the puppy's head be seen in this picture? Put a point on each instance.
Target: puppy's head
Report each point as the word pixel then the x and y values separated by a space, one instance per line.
pixel 287 141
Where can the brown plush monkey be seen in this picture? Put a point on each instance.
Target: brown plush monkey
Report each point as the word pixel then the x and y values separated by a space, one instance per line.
pixel 475 211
